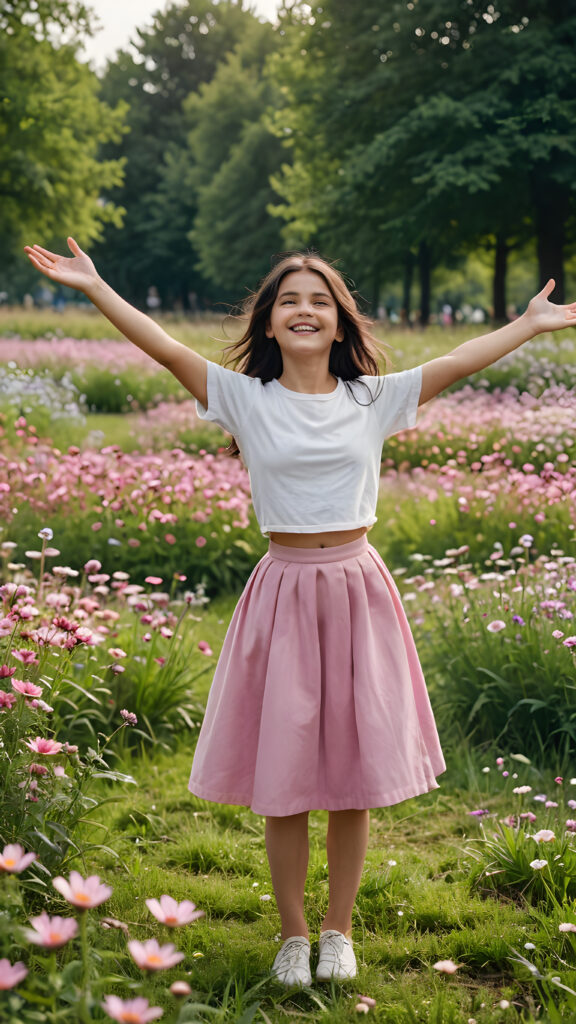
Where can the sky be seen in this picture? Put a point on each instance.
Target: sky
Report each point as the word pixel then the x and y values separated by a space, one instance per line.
pixel 119 19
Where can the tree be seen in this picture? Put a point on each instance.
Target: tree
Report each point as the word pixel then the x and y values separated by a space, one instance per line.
pixel 52 123
pixel 233 155
pixel 172 59
pixel 434 120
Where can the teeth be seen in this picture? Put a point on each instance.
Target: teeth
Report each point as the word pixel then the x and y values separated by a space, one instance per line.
pixel 304 330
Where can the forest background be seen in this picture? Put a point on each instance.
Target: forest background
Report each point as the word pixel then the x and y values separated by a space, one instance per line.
pixel 428 145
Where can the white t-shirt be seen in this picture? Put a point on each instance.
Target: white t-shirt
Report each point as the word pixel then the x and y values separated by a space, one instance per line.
pixel 313 460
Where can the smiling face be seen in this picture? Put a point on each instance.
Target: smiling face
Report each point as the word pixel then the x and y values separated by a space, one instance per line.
pixel 304 317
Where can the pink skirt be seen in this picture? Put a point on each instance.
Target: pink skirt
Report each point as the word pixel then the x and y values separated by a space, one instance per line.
pixel 318 699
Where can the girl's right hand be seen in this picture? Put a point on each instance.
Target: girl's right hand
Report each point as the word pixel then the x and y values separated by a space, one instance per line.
pixel 77 271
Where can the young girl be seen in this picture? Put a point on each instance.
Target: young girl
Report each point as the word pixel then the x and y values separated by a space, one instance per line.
pixel 318 700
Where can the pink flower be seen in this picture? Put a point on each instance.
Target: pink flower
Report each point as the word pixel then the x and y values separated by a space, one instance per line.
pixel 152 957
pixel 571 825
pixel 7 700
pixel 11 974
pixel 14 860
pixel 93 565
pixel 528 816
pixel 200 542
pixel 496 626
pixel 5 672
pixel 134 1011
pixel 362 1008
pixel 567 926
pixel 570 641
pixel 24 686
pixel 42 746
pixel 368 1000
pixel 83 893
pixel 51 932
pixel 446 966
pixel 559 779
pixel 557 634
pixel 129 717
pixel 25 656
pixel 205 648
pixel 180 988
pixel 117 652
pixel 154 580
pixel 170 912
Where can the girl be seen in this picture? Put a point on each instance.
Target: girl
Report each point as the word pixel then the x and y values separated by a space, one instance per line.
pixel 318 699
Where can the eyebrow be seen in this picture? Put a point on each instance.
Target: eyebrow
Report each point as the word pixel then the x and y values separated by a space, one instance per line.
pixel 325 295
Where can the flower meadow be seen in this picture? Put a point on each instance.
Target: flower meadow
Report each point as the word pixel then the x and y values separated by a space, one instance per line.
pixel 122 897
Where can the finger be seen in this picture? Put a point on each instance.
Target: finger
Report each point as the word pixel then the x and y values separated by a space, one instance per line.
pixel 74 247
pixel 46 252
pixel 44 269
pixel 548 288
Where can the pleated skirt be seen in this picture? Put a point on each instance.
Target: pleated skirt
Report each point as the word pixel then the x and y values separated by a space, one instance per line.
pixel 318 699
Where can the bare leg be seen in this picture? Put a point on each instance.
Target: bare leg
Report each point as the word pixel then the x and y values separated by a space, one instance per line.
pixel 287 849
pixel 346 845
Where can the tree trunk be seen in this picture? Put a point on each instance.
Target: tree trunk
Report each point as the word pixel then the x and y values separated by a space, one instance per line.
pixel 552 203
pixel 407 289
pixel 424 272
pixel 499 280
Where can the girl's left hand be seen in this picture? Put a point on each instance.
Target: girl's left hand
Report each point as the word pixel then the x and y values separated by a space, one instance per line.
pixel 547 316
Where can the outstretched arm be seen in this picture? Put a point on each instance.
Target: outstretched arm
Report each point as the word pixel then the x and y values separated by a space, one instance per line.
pixel 80 273
pixel 478 353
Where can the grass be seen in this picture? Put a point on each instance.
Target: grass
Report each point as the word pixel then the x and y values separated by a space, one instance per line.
pixel 408 915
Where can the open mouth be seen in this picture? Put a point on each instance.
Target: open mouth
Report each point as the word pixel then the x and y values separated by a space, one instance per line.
pixel 304 329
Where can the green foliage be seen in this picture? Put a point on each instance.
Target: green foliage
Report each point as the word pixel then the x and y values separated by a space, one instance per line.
pixel 52 123
pixel 180 51
pixel 233 157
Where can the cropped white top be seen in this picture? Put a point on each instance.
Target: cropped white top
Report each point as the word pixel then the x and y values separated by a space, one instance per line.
pixel 313 460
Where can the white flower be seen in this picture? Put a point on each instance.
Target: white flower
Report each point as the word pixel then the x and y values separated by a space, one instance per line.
pixel 392 863
pixel 526 540
pixel 522 789
pixel 567 926
pixel 538 864
pixel 545 835
pixel 504 1004
pixel 46 533
pixel 529 945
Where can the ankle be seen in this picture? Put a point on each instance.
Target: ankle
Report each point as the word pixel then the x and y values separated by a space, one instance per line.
pixel 338 926
pixel 293 929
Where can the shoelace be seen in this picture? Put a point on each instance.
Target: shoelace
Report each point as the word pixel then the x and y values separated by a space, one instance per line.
pixel 292 951
pixel 335 944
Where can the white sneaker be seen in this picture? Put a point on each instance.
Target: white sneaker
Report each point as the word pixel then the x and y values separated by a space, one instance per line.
pixel 337 958
pixel 292 964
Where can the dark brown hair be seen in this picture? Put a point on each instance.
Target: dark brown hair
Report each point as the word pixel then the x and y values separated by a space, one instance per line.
pixel 256 355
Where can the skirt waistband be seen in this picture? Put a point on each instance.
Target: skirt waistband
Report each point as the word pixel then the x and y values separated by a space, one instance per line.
pixel 337 553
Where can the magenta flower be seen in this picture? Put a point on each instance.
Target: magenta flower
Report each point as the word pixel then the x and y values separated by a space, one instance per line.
pixel 479 813
pixel 26 687
pixel 154 580
pixel 570 641
pixel 205 648
pixel 42 746
pixel 13 860
pixel 51 932
pixel 152 957
pixel 131 1011
pixel 7 700
pixel 170 912
pixel 11 974
pixel 83 893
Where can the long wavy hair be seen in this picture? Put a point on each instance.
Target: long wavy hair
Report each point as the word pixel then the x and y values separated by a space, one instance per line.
pixel 257 355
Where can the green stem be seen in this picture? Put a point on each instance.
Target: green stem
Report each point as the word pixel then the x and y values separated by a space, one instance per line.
pixel 83 920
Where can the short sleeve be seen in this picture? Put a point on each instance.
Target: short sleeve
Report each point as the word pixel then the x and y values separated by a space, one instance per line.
pixel 230 397
pixel 396 399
